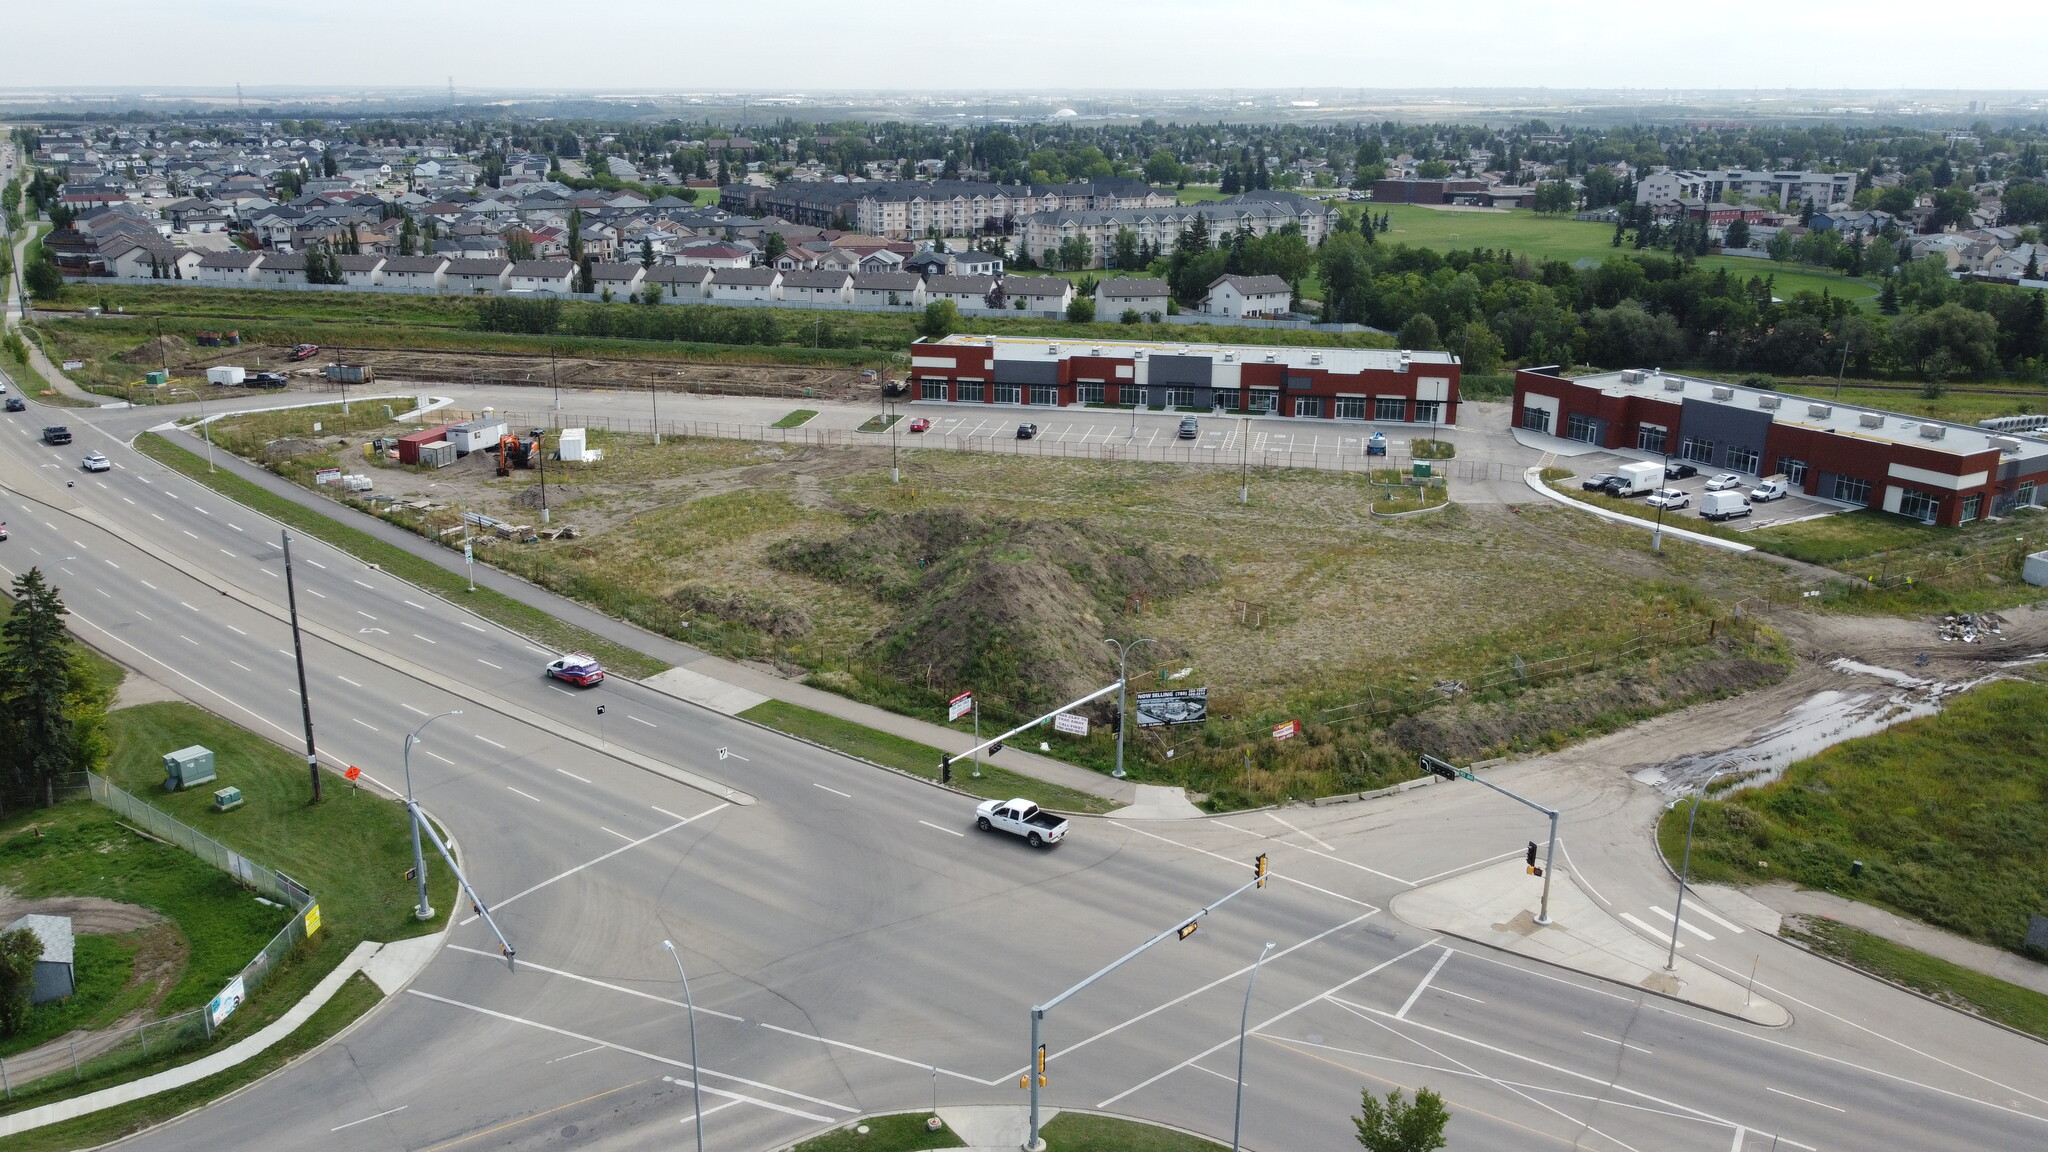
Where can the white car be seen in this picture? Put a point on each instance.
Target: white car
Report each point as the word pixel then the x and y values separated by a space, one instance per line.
pixel 1723 482
pixel 94 462
pixel 1671 498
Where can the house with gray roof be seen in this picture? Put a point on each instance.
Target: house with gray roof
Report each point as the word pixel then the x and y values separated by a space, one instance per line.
pixel 818 287
pixel 558 276
pixel 746 284
pixel 680 283
pixel 228 267
pixel 893 289
pixel 1248 296
pixel 1118 294
pixel 419 272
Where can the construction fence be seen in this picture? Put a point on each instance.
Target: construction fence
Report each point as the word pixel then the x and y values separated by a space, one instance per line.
pixel 100 1052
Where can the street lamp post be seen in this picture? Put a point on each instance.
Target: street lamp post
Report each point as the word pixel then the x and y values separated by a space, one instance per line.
pixel 1657 537
pixel 1244 459
pixel 1123 680
pixel 1243 1022
pixel 654 406
pixel 696 1074
pixel 419 863
pixel 1685 870
pixel 204 425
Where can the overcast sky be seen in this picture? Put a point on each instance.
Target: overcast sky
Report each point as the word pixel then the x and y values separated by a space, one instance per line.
pixel 802 45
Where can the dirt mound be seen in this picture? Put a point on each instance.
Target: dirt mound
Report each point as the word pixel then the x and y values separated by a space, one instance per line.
pixel 157 351
pixel 558 495
pixel 90 915
pixel 289 447
pixel 1016 608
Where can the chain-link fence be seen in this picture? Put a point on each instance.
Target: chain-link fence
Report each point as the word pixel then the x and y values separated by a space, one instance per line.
pixel 97 1053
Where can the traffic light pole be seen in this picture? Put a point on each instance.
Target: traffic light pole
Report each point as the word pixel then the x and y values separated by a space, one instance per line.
pixel 946 764
pixel 475 901
pixel 1439 768
pixel 1034 1070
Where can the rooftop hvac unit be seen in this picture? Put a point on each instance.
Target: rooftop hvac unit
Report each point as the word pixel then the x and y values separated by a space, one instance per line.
pixel 1933 431
pixel 1230 357
pixel 1871 419
pixel 2005 443
pixel 1820 411
pixel 1722 393
pixel 1632 376
pixel 1052 349
pixel 1674 384
pixel 1406 359
pixel 1272 358
pixel 1315 357
pixel 1770 403
pixel 1095 351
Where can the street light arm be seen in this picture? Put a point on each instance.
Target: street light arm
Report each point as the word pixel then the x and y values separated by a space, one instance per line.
pixel 696 1075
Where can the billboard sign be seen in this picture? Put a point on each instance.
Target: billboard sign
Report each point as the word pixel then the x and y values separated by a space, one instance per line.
pixel 961 706
pixel 224 1005
pixel 1070 723
pixel 1177 706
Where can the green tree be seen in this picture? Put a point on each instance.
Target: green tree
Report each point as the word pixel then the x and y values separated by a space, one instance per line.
pixel 1952 206
pixel 44 279
pixel 1738 235
pixel 1162 167
pixel 941 319
pixel 1896 200
pixel 1399 1126
pixel 773 246
pixel 19 951
pixel 1432 170
pixel 575 230
pixel 586 275
pixel 1419 333
pixel 1081 310
pixel 518 245
pixel 647 253
pixel 1479 350
pixel 1123 249
pixel 35 677
pixel 1555 196
pixel 2025 203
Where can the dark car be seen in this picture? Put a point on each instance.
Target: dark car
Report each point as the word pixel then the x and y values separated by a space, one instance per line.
pixel 1597 481
pixel 266 380
pixel 16 404
pixel 1027 431
pixel 1190 428
pixel 1679 471
pixel 56 434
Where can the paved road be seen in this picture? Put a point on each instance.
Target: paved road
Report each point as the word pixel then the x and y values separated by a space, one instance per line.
pixel 849 932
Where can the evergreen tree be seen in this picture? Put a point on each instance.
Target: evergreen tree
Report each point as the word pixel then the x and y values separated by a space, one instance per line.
pixel 586 276
pixel 34 678
pixel 1888 297
pixel 576 236
pixel 647 254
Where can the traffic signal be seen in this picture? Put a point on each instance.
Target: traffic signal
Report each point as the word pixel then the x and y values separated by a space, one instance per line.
pixel 1188 929
pixel 1531 860
pixel 945 769
pixel 1259 869
pixel 1041 1065
pixel 995 747
pixel 1438 768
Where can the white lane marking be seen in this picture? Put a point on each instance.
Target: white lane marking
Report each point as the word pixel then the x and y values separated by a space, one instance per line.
pixel 225 552
pixel 1612 1040
pixel 441 758
pixel 104 592
pixel 1663 915
pixel 371 727
pixel 421 607
pixel 1324 855
pixel 1276 875
pixel 947 831
pixel 572 776
pixel 562 690
pixel 1459 995
pixel 1803 1100
pixel 367 1119
pixel 315 563
pixel 532 649
pixel 126 499
pixel 585 1052
pixel 1417 994
pixel 349 682
pixel 161 518
pixel 680 821
pixel 242 666
pixel 268 572
pixel 491 742
pixel 235 630
pixel 371 587
pixel 471 627
pixel 620 835
pixel 1292 828
pixel 517 792
pixel 360 612
pixel 111 564
pixel 834 791
pixel 182 604
pixel 637 720
pixel 236 527
pixel 145 616
pixel 669 814
pixel 628 991
pixel 188 640
pixel 321 595
pixel 1735 929
pixel 1654 934
pixel 499 667
pixel 1577 875
pixel 417 636
pixel 413 710
pixel 759 1103
pixel 148 585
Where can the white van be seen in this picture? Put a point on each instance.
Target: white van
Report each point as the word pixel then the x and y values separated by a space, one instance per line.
pixel 1723 505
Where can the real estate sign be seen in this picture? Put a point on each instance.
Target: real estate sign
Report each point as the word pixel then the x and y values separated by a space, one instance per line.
pixel 1070 723
pixel 1287 731
pixel 961 706
pixel 224 1005
pixel 1176 706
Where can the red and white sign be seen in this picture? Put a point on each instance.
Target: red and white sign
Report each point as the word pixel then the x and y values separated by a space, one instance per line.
pixel 1071 723
pixel 961 706
pixel 1287 731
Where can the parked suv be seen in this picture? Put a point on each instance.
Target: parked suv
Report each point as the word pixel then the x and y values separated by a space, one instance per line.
pixel 1190 428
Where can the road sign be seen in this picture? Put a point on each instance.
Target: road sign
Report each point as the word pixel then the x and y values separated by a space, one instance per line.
pixel 960 706
pixel 1174 706
pixel 1071 724
pixel 352 772
pixel 312 919
pixel 1287 731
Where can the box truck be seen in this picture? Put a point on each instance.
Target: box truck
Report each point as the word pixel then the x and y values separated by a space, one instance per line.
pixel 1638 478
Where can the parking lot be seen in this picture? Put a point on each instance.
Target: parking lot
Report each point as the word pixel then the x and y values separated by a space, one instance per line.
pixel 1220 434
pixel 1792 508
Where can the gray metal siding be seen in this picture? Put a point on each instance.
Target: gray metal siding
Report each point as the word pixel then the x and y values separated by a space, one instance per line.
pixel 1725 425
pixel 1180 370
pixel 1027 372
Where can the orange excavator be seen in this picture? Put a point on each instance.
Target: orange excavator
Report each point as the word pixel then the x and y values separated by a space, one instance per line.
pixel 513 452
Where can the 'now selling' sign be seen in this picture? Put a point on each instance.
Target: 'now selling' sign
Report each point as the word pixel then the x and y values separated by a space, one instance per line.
pixel 961 706
pixel 1287 731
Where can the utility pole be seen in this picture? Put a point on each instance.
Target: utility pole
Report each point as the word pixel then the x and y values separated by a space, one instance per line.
pixel 654 406
pixel 555 377
pixel 1244 460
pixel 540 449
pixel 291 594
pixel 1123 680
pixel 1685 870
pixel 1243 1025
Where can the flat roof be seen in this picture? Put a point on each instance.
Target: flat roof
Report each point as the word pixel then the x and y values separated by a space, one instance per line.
pixel 1814 412
pixel 1339 360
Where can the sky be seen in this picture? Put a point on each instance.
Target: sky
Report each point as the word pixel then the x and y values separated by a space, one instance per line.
pixel 812 45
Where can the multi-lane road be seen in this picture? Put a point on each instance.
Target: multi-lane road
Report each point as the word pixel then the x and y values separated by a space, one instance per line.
pixel 855 946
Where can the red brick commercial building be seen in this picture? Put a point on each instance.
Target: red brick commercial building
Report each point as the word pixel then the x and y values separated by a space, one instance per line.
pixel 1926 469
pixel 1310 383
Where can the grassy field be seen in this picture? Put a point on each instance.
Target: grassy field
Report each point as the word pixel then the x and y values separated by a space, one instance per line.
pixel 103 991
pixel 901 1133
pixel 1947 814
pixel 363 546
pixel 1080 1132
pixel 797 419
pixel 917 759
pixel 1960 406
pixel 1987 996
pixel 1202 194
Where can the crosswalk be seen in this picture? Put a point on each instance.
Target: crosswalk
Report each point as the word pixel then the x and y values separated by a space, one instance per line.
pixel 1664 932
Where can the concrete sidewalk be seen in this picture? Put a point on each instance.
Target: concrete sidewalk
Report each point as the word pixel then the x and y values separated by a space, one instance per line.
pixel 1497 906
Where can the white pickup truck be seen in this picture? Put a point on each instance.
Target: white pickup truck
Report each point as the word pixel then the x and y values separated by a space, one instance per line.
pixel 1021 818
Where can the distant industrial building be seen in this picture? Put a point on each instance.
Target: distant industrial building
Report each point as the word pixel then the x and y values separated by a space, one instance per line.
pixel 1311 383
pixel 1927 469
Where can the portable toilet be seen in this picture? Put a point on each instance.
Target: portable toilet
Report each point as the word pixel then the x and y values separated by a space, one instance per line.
pixel 186 767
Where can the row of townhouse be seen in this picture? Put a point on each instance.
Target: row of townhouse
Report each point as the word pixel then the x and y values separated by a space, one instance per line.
pixel 1786 188
pixel 1373 384
pixel 902 209
pixel 1256 212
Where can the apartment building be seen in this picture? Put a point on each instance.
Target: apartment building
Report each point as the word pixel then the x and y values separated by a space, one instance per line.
pixel 1258 212
pixel 1788 189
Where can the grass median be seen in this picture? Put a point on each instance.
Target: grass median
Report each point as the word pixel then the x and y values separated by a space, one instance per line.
pixel 917 759
pixel 491 605
pixel 1987 996
pixel 1068 1132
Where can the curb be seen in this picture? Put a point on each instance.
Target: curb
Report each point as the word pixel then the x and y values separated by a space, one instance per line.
pixel 1956 1008
pixel 1533 478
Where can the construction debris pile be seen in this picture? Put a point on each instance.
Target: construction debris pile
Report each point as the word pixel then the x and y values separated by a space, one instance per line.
pixel 1969 627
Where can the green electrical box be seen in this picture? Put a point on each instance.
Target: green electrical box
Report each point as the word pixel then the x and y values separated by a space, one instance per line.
pixel 1422 471
pixel 157 379
pixel 227 798
pixel 186 767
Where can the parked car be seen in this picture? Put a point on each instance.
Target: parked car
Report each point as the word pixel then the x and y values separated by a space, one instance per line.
pixel 1020 818
pixel 1723 506
pixel 266 380
pixel 921 424
pixel 1775 488
pixel 16 404
pixel 96 462
pixel 1672 498
pixel 1189 428
pixel 1680 471
pixel 582 671
pixel 302 352
pixel 1723 482
pixel 1027 431
pixel 1596 481
pixel 56 434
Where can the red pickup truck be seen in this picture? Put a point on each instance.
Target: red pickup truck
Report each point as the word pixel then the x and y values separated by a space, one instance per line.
pixel 302 352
